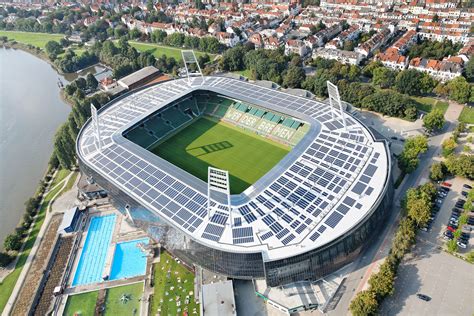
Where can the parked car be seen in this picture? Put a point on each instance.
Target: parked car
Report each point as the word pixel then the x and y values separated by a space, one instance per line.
pixel 446 184
pixel 461 245
pixel 448 235
pixel 452 229
pixel 444 189
pixel 423 297
pixel 463 193
pixel 467 186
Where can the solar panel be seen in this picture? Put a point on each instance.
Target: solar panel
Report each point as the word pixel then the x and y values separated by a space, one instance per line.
pixel 333 219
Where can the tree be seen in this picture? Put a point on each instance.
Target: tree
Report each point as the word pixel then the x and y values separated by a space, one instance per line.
pixel 348 45
pixel 80 83
pixel 233 59
pixel 383 77
pixel 158 36
pixel 419 210
pixel 364 304
pixel 294 77
pixel 92 82
pixel 469 70
pixel 408 159
pixel 12 242
pixel 437 171
pixel 459 89
pixel 452 246
pixel 409 82
pixel 448 147
pixel 53 49
pixel 382 282
pixel 433 120
pixel 462 165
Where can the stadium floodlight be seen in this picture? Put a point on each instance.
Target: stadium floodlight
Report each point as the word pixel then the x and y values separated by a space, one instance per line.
pixel 189 58
pixel 335 102
pixel 95 122
pixel 218 181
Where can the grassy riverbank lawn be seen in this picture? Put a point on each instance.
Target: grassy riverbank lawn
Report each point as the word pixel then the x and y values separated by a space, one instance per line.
pixel 160 50
pixel 6 287
pixel 30 38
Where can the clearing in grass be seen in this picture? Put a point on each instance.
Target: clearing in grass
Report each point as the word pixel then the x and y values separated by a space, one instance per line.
pixel 207 142
pixel 467 115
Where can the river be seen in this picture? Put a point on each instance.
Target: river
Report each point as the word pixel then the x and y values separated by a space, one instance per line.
pixel 30 112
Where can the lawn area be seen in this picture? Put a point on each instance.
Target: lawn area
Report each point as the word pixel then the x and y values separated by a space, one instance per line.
pixel 467 115
pixel 115 307
pixel 6 287
pixel 35 39
pixel 81 304
pixel 60 176
pixel 159 50
pixel 206 142
pixel 173 283
pixel 427 104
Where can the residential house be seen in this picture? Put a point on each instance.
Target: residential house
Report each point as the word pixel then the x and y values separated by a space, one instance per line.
pixel 393 59
pixel 294 46
pixel 343 56
pixel 442 70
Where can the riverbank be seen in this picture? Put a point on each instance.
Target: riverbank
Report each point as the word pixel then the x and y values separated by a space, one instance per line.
pixel 33 50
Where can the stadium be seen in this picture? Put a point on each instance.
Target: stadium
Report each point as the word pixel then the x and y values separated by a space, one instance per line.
pixel 241 179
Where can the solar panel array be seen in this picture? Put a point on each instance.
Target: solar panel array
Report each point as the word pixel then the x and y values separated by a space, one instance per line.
pixel 312 192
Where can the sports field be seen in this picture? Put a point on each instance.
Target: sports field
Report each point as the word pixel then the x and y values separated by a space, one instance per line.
pixel 206 142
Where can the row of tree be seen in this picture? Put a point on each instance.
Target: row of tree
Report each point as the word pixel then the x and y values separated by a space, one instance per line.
pixel 13 242
pixel 64 152
pixel 416 207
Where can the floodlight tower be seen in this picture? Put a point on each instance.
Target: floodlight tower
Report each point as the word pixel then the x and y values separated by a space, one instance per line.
pixel 189 58
pixel 335 102
pixel 95 122
pixel 218 181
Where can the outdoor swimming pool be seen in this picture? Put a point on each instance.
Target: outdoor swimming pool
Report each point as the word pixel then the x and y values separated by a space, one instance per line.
pixel 94 253
pixel 129 260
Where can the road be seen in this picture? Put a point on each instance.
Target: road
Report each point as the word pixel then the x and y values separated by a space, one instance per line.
pixel 379 248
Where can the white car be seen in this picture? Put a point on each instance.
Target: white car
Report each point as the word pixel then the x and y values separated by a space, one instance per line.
pixel 462 245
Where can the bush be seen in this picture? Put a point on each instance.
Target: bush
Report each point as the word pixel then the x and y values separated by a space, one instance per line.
pixel 12 242
pixel 5 259
pixel 364 304
pixel 448 147
pixel 438 171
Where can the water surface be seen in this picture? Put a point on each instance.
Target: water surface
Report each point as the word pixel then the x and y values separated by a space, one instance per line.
pixel 30 112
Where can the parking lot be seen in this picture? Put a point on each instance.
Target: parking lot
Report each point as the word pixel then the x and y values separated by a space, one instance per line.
pixel 433 272
pixel 436 233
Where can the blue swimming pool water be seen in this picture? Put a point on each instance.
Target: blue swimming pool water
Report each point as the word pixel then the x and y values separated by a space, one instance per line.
pixel 94 253
pixel 129 260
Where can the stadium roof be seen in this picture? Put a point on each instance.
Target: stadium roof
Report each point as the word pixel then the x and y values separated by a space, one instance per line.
pixel 325 186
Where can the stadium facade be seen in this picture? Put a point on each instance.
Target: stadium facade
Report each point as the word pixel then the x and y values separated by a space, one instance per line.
pixel 310 215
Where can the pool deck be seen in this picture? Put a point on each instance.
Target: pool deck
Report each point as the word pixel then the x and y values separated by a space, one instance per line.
pixel 123 232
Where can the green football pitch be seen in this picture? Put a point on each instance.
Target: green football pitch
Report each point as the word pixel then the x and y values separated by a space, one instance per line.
pixel 206 142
